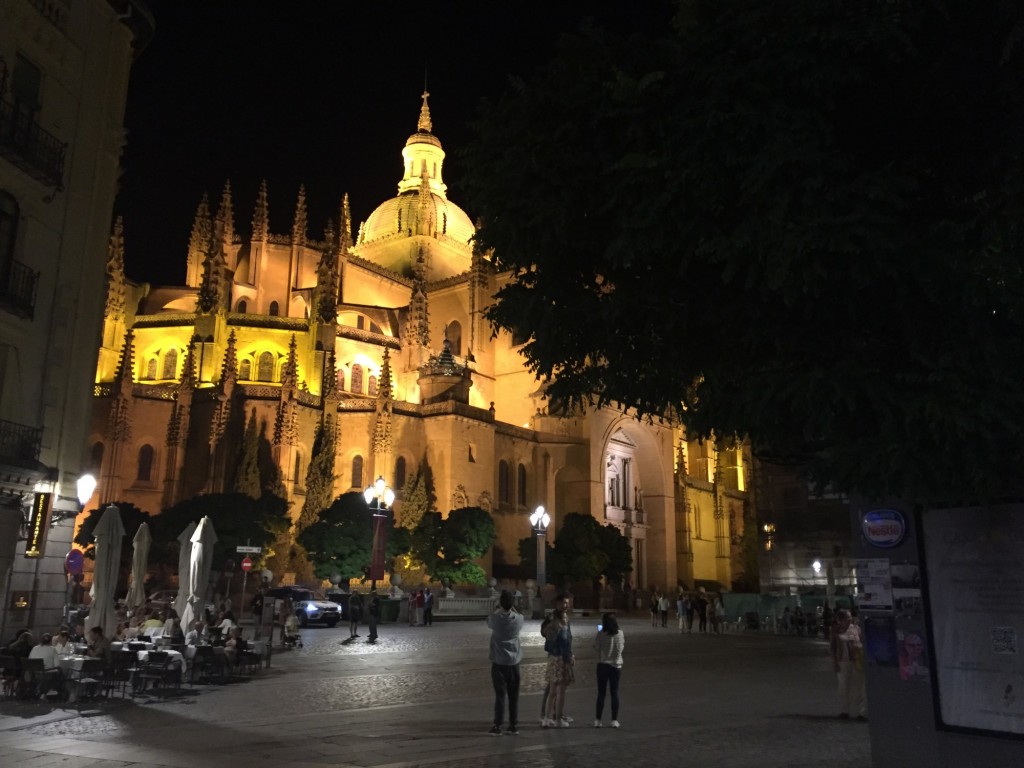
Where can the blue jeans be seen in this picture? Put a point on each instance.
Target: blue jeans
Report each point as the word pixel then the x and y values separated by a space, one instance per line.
pixel 608 677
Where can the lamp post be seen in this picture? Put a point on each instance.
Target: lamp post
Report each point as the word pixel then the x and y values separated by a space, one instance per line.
pixel 540 520
pixel 382 498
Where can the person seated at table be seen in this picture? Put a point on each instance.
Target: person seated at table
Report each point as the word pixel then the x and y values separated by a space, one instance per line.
pixel 235 645
pixel 78 635
pixel 99 645
pixel 45 651
pixel 62 642
pixel 197 634
pixel 226 624
pixel 22 645
pixel 172 626
pixel 153 621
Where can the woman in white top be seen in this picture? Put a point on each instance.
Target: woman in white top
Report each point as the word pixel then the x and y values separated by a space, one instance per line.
pixel 45 651
pixel 609 644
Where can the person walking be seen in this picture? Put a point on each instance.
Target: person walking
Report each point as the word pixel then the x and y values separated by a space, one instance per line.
pixel 655 600
pixel 420 605
pixel 609 644
pixel 702 611
pixel 560 672
pixel 682 603
pixel 847 650
pixel 373 615
pixel 663 606
pixel 355 613
pixel 428 607
pixel 505 654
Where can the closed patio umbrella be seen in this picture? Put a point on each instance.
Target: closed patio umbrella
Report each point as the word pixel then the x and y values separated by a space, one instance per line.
pixel 199 570
pixel 109 534
pixel 184 564
pixel 140 559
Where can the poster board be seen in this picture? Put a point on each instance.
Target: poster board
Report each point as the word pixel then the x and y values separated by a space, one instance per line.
pixel 974 565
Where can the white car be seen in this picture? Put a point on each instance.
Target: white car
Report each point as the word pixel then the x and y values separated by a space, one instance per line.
pixel 309 607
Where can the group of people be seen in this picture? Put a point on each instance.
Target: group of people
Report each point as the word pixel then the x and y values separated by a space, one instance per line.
pixel 706 610
pixel 421 608
pixel 51 647
pixel 357 607
pixel 506 625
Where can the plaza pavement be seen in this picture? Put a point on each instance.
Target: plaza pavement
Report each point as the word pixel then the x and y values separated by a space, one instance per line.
pixel 422 697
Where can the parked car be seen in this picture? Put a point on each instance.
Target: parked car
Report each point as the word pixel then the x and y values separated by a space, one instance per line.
pixel 309 606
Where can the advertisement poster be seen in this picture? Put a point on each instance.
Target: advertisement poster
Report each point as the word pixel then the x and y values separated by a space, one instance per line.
pixel 874 584
pixel 974 562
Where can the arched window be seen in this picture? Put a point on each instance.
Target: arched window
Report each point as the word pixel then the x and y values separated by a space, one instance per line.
pixel 274 310
pixel 170 365
pixel 150 369
pixel 504 482
pixel 400 473
pixel 245 370
pixel 145 473
pixel 357 379
pixel 265 367
pixel 298 468
pixel 242 306
pixel 521 486
pixel 372 388
pixel 454 335
pixel 96 457
pixel 357 472
pixel 341 379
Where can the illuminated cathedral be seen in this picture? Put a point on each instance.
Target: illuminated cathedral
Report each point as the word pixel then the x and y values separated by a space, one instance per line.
pixel 381 338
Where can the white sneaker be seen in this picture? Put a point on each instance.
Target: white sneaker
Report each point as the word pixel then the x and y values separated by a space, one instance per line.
pixel 615 723
pixel 564 723
pixel 597 723
pixel 546 722
pixel 567 718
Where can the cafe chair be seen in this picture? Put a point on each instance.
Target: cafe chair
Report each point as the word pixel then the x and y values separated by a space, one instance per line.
pixel 86 682
pixel 154 672
pixel 122 668
pixel 37 680
pixel 10 673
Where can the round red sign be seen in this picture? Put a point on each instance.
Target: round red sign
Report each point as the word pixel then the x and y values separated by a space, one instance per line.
pixel 246 564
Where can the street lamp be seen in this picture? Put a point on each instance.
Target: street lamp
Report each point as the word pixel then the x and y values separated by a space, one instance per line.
pixel 382 497
pixel 540 520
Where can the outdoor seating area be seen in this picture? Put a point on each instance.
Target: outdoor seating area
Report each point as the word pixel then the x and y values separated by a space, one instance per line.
pixel 124 670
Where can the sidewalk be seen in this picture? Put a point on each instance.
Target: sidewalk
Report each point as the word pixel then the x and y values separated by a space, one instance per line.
pixel 422 696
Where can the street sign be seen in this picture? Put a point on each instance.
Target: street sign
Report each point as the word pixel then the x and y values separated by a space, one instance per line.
pixel 246 564
pixel 248 550
pixel 74 561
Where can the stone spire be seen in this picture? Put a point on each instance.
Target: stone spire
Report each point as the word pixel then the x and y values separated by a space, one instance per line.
pixel 285 423
pixel 261 215
pixel 225 224
pixel 424 125
pixel 300 224
pixel 417 324
pixel 212 289
pixel 427 211
pixel 199 243
pixel 120 409
pixel 383 443
pixel 226 388
pixel 326 293
pixel 229 368
pixel 177 426
pixel 114 308
pixel 345 230
pixel 329 386
pixel 290 370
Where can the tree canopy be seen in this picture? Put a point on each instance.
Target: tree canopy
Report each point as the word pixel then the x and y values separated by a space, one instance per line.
pixel 448 546
pixel 797 221
pixel 341 540
pixel 583 550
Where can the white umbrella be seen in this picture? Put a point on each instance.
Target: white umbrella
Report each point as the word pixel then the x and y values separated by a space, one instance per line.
pixel 140 559
pixel 108 534
pixel 184 561
pixel 199 570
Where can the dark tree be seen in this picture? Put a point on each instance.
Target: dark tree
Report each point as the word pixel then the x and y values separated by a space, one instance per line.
pixel 797 221
pixel 448 547
pixel 319 476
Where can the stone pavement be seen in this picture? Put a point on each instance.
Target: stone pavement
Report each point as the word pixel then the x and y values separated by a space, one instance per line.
pixel 422 697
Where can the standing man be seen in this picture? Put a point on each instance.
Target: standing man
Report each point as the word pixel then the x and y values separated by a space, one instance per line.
pixel 505 654
pixel 257 612
pixel 428 607
pixel 373 615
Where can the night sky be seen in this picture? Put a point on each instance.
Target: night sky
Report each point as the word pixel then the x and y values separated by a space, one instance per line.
pixel 316 93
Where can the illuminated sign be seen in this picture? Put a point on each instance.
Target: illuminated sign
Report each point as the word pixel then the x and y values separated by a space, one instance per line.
pixel 38 524
pixel 884 527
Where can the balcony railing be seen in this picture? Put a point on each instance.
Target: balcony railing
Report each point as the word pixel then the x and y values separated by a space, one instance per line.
pixel 18 289
pixel 28 146
pixel 19 442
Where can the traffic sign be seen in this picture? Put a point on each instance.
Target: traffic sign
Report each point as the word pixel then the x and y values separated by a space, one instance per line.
pixel 248 550
pixel 246 564
pixel 74 561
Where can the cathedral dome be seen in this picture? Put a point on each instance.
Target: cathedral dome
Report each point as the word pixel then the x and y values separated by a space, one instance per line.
pixel 421 209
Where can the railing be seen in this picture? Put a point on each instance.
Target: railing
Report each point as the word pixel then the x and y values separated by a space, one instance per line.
pixel 18 441
pixel 18 289
pixel 28 146
pixel 465 607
